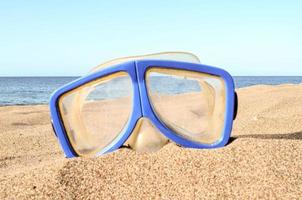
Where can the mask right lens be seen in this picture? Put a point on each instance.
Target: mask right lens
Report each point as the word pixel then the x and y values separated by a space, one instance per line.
pixel 192 104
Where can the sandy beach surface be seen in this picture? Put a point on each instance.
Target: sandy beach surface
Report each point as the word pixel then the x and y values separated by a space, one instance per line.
pixel 263 159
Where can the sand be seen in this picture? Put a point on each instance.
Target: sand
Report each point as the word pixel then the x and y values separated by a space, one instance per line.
pixel 263 159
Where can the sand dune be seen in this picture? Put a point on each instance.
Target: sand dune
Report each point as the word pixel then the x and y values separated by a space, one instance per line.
pixel 263 160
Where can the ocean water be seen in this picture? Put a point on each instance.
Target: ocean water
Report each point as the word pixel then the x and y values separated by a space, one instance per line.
pixel 29 90
pixel 37 90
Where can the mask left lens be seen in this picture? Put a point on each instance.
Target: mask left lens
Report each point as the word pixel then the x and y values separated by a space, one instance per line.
pixel 94 114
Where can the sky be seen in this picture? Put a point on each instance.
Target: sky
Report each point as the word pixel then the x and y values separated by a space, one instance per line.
pixel 68 38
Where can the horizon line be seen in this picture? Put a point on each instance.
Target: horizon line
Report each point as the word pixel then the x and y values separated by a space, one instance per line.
pixel 67 76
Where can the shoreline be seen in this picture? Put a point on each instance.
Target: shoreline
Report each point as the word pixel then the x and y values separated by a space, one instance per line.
pixel 247 87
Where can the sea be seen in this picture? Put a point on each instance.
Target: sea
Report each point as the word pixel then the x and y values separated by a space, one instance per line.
pixel 37 90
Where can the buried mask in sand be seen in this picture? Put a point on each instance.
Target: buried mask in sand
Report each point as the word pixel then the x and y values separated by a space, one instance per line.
pixel 143 102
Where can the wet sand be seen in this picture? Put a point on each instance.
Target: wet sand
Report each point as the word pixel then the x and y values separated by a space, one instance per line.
pixel 263 159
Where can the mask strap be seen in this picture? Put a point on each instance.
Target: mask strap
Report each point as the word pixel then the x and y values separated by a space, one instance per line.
pixel 235 106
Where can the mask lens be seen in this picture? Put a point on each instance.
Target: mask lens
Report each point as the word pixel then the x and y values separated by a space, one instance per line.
pixel 95 113
pixel 192 104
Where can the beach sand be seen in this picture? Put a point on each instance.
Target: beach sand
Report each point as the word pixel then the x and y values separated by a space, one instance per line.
pixel 263 159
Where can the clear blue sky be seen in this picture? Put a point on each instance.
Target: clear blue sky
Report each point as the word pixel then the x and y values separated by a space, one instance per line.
pixel 53 38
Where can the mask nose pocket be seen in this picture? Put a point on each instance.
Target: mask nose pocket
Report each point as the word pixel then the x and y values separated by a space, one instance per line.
pixel 146 137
